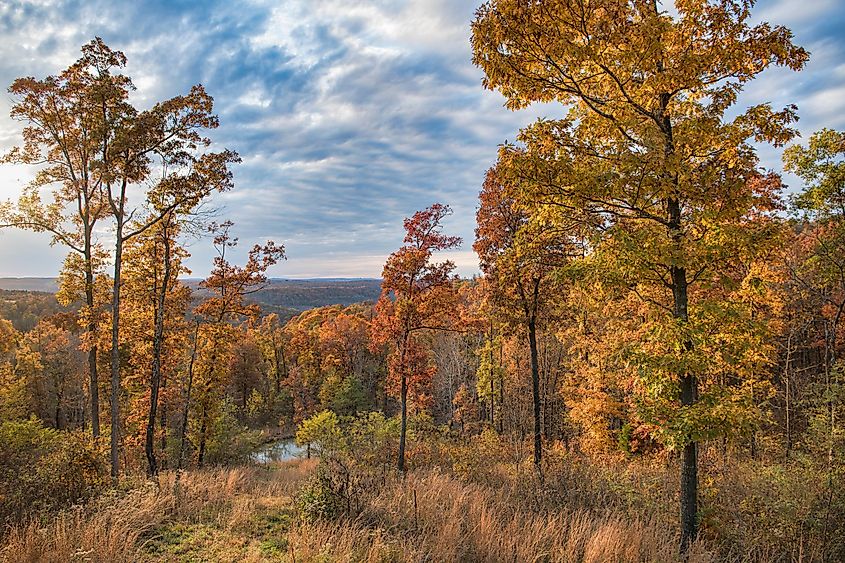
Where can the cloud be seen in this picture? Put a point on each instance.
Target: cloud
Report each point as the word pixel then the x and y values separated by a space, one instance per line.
pixel 349 116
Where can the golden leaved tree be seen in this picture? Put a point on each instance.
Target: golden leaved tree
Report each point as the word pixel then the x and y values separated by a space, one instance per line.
pixel 64 137
pixel 647 147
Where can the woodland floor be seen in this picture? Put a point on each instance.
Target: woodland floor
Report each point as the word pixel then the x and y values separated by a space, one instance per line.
pixel 251 514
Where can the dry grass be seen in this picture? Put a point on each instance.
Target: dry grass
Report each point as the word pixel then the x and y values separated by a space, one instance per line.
pixel 220 506
pixel 98 533
pixel 455 521
pixel 245 514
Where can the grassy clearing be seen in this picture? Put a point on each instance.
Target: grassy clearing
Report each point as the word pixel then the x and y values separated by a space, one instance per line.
pixel 248 514
pixel 239 514
pixel 476 511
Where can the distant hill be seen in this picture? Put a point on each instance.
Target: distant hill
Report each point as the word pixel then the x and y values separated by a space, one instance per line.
pixel 49 285
pixel 282 296
pixel 25 308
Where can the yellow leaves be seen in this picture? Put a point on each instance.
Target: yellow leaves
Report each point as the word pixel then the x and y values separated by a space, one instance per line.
pixel 8 337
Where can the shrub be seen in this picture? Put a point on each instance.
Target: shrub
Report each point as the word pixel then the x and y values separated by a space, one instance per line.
pixel 321 432
pixel 355 454
pixel 42 469
pixel 319 499
pixel 231 442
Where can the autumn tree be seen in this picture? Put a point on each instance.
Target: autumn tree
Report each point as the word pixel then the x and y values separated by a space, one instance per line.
pixel 416 295
pixel 818 274
pixel 64 137
pixel 164 138
pixel 154 325
pixel 273 344
pixel 101 152
pixel 19 366
pixel 56 386
pixel 229 285
pixel 517 258
pixel 647 144
pixel 329 362
pixel 821 165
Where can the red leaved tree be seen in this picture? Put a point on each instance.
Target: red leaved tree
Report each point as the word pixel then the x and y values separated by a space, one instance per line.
pixel 416 297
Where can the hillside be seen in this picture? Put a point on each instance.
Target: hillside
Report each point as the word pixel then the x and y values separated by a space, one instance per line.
pixel 301 295
pixel 24 308
pixel 282 296
pixel 48 285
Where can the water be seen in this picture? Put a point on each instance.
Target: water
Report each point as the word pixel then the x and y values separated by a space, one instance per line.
pixel 280 450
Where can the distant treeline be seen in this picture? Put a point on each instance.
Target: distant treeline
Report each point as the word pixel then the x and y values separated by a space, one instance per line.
pixel 301 295
pixel 25 308
pixel 284 297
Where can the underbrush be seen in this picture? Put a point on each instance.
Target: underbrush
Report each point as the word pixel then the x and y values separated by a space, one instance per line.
pixel 43 470
pixel 434 516
pixel 749 510
pixel 209 515
pixel 463 499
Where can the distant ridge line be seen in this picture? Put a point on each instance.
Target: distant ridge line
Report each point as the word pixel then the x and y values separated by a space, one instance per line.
pixel 284 296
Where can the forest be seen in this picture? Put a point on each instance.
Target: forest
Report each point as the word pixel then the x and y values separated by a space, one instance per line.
pixel 649 366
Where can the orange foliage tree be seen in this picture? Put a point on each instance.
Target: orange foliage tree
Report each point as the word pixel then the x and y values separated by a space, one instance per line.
pixel 648 146
pixel 417 295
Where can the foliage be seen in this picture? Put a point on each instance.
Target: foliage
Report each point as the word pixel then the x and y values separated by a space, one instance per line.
pixel 321 432
pixel 417 296
pixel 42 469
pixel 230 442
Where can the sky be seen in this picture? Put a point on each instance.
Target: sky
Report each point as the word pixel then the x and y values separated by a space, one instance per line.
pixel 349 115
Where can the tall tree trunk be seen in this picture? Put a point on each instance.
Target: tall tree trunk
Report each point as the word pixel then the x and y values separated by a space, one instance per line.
pixel 115 350
pixel 204 419
pixel 91 328
pixel 158 338
pixel 404 425
pixel 183 429
pixel 535 393
pixel 162 423
pixel 492 401
pixel 403 428
pixel 203 432
pixel 688 392
pixel 492 388
pixel 501 393
pixel 786 367
pixel 680 311
pixel 59 410
pixel 829 366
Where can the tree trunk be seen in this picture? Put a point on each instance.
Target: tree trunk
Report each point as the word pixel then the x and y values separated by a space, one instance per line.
pixel 492 388
pixel 788 449
pixel 59 410
pixel 492 400
pixel 183 430
pixel 162 423
pixel 155 376
pixel 404 425
pixel 535 391
pixel 688 392
pixel 680 311
pixel 403 428
pixel 501 393
pixel 203 431
pixel 115 352
pixel 93 379
pixel 204 420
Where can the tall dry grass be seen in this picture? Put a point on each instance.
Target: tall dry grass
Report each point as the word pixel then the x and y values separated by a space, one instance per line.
pixel 428 516
pixel 115 527
pixel 431 516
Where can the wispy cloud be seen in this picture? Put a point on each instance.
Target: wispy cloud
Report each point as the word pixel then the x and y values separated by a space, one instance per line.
pixel 349 116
